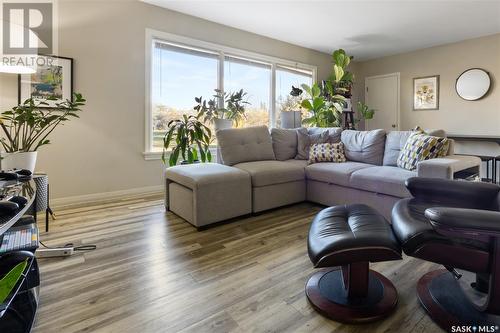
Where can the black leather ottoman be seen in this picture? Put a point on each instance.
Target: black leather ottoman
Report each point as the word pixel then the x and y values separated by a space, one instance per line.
pixel 348 238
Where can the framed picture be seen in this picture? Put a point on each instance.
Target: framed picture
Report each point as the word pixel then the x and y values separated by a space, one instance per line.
pixel 53 79
pixel 426 93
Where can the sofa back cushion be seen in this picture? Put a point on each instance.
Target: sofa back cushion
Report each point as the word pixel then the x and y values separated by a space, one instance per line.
pixel 334 132
pixel 396 140
pixel 306 140
pixel 237 145
pixel 364 146
pixel 284 143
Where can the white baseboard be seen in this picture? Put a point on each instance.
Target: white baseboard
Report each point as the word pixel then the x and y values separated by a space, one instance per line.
pixel 97 198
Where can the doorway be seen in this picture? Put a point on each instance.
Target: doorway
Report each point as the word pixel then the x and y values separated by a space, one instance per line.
pixel 382 94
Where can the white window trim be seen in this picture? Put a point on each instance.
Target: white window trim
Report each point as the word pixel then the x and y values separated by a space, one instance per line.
pixel 152 35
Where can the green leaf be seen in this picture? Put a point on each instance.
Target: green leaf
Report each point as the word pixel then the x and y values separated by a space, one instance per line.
pixel 306 104
pixel 339 72
pixel 306 88
pixel 315 91
pixel 9 281
pixel 318 103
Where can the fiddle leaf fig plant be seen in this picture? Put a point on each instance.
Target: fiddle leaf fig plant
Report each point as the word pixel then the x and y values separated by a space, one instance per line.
pixel 191 140
pixel 27 126
pixel 322 112
pixel 341 79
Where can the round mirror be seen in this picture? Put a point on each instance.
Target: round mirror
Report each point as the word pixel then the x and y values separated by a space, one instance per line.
pixel 473 84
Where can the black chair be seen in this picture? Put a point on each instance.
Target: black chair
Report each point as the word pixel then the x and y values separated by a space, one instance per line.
pixel 456 224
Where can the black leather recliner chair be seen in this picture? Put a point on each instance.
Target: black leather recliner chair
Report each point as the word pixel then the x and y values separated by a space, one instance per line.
pixel 456 224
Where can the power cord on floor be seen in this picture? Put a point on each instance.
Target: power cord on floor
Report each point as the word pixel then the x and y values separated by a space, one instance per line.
pixel 89 247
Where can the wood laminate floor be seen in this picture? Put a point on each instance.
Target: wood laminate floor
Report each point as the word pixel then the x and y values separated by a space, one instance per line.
pixel 153 272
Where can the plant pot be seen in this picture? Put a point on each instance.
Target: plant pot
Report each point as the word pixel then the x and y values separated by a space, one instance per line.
pixel 291 119
pixel 18 160
pixel 221 124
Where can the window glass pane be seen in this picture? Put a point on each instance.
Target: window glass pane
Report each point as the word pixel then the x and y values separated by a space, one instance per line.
pixel 255 79
pixel 286 78
pixel 178 76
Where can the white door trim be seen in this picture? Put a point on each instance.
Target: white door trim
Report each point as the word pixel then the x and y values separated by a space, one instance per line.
pixel 398 76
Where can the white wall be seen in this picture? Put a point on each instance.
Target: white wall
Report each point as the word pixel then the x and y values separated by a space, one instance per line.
pixel 455 115
pixel 102 151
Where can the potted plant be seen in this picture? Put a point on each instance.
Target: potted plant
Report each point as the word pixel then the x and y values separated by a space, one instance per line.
pixel 224 109
pixel 322 112
pixel 27 127
pixel 191 140
pixel 291 110
pixel 364 112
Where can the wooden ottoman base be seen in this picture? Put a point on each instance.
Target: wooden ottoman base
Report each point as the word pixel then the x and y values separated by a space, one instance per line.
pixel 351 294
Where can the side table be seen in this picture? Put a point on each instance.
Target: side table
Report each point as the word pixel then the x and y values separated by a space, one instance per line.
pixel 42 198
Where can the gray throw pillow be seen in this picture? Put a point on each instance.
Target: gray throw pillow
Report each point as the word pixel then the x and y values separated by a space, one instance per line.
pixel 364 146
pixel 284 143
pixel 305 140
pixel 334 136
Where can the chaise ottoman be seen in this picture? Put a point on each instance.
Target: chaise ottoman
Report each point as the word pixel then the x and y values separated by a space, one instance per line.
pixel 343 240
pixel 206 193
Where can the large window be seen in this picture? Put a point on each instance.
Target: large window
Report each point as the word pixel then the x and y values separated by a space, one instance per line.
pixel 255 79
pixel 178 75
pixel 286 77
pixel 180 69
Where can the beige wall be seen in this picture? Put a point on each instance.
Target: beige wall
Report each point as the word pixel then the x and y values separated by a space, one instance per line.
pixel 455 114
pixel 102 152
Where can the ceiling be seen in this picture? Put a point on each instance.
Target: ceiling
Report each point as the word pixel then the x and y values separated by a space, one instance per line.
pixel 366 29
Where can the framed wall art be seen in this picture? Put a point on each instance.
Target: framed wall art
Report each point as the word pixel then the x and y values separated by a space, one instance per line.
pixel 426 93
pixel 51 83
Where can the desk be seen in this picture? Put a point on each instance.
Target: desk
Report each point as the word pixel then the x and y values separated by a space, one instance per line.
pixel 484 158
pixel 480 138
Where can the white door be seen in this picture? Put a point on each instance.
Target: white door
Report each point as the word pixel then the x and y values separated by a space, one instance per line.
pixel 382 94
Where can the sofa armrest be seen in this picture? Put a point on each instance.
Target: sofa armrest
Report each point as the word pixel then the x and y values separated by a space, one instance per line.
pixel 482 222
pixel 453 192
pixel 446 167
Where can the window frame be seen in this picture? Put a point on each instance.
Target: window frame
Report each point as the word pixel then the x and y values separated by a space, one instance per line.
pixel 222 51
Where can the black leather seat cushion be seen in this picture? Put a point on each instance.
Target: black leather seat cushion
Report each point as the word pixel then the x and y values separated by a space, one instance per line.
pixel 342 235
pixel 419 239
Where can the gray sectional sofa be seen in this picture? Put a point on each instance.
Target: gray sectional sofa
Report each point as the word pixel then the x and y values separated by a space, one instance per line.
pixel 276 178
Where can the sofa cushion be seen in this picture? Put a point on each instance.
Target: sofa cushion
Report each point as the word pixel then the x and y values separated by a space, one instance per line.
pixel 395 141
pixel 272 172
pixel 334 173
pixel 239 145
pixel 284 143
pixel 387 180
pixel 364 146
pixel 305 140
pixel 334 133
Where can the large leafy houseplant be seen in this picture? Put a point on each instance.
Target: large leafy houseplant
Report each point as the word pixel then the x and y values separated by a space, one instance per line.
pixel 27 126
pixel 191 140
pixel 322 113
pixel 223 105
pixel 341 80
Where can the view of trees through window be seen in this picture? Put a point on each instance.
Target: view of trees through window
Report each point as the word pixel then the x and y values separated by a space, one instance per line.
pixel 179 74
pixel 255 79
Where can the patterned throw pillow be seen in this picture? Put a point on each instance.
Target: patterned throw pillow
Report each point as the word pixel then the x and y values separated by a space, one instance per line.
pixel 420 147
pixel 327 152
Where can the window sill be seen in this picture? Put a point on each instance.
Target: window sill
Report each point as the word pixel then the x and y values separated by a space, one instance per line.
pixel 152 155
pixel 156 155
